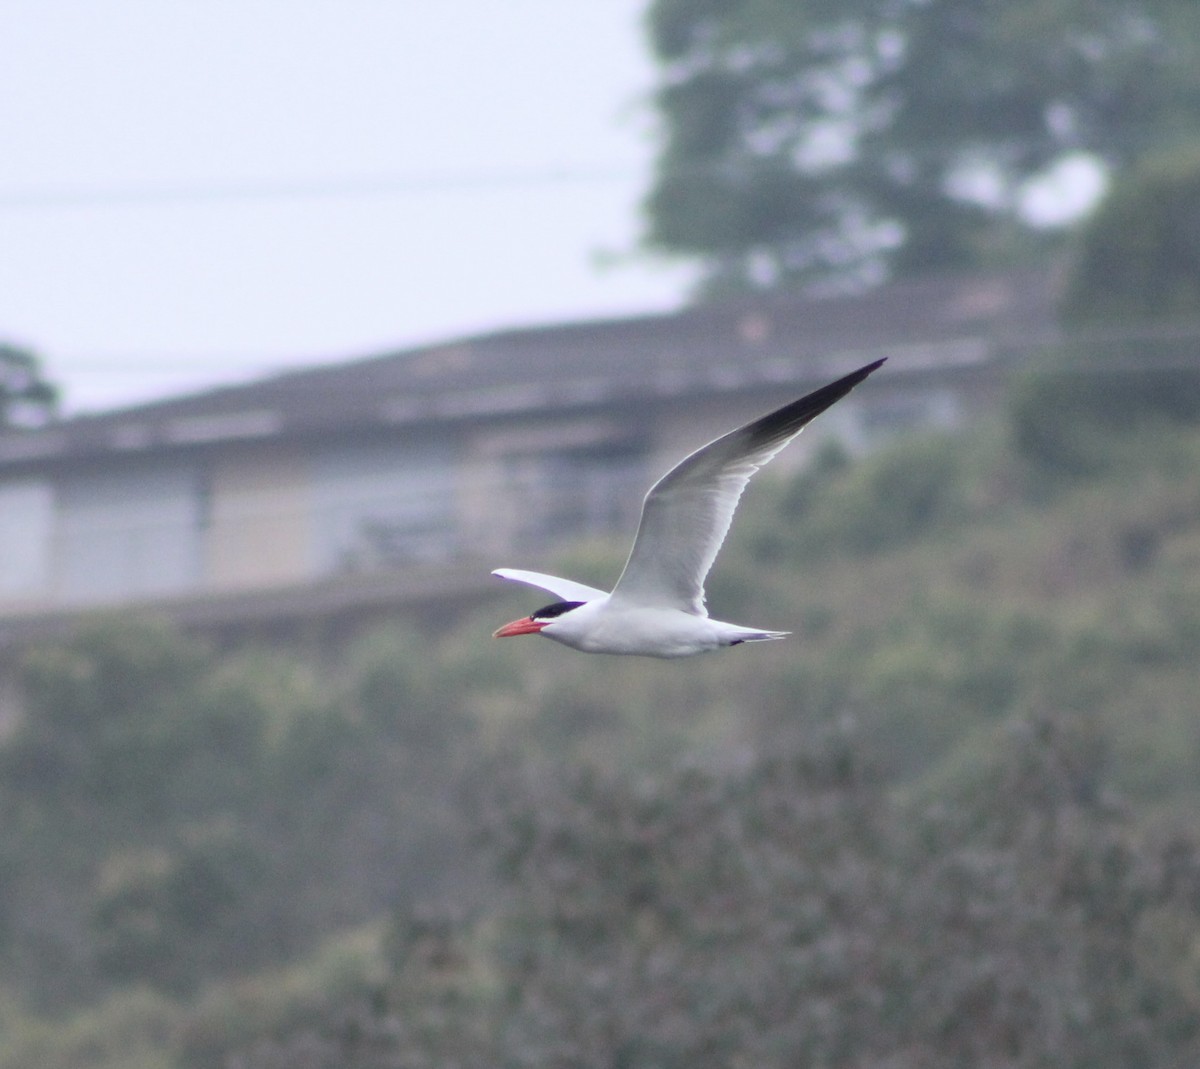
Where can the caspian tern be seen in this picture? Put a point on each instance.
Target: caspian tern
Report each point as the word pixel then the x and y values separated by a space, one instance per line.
pixel 657 607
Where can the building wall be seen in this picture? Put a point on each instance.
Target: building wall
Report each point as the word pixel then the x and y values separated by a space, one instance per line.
pixel 523 487
pixel 256 514
pixel 129 532
pixel 382 505
pixel 26 534
pixel 259 530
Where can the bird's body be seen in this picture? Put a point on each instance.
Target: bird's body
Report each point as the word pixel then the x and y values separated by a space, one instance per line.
pixel 657 607
pixel 607 625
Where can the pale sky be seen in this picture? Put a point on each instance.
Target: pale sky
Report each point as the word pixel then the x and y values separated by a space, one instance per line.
pixel 199 192
pixel 202 191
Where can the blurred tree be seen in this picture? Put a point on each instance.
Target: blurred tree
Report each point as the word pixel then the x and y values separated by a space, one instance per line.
pixel 1132 308
pixel 172 814
pixel 27 399
pixel 832 141
pixel 792 913
pixel 169 917
pixel 1139 256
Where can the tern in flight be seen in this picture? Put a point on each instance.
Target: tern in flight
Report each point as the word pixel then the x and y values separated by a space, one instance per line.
pixel 657 607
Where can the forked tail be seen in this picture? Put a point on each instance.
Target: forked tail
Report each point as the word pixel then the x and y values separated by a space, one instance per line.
pixel 750 635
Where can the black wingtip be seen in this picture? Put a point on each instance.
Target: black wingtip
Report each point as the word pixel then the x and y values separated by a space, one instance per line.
pixel 837 390
pixel 846 383
pixel 788 420
pixel 863 372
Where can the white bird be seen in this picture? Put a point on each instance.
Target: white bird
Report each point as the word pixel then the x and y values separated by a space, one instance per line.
pixel 657 607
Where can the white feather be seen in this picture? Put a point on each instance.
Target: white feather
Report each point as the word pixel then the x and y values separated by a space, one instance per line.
pixel 567 589
pixel 687 513
pixel 657 607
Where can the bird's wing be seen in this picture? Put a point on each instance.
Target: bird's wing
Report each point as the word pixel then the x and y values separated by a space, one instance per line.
pixel 687 513
pixel 567 589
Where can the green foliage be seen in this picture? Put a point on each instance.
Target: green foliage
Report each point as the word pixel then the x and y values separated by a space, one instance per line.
pixel 913 490
pixel 166 915
pixel 789 913
pixel 132 1030
pixel 175 815
pixel 27 398
pixel 1139 256
pixel 142 1029
pixel 829 141
pixel 899 834
pixel 1131 305
pixel 1076 421
pixel 99 712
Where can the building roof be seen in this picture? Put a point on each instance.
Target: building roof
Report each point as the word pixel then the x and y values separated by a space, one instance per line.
pixel 931 324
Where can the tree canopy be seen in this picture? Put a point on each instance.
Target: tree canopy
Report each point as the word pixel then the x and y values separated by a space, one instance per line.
pixel 1127 360
pixel 834 141
pixel 27 398
pixel 954 822
pixel 1139 255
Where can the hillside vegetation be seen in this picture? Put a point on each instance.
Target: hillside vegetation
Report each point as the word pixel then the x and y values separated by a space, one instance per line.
pixel 949 822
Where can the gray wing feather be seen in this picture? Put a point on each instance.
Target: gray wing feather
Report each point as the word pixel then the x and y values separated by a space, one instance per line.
pixel 687 513
pixel 567 589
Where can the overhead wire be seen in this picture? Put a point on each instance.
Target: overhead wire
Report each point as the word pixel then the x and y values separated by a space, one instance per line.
pixel 378 187
pixel 1166 333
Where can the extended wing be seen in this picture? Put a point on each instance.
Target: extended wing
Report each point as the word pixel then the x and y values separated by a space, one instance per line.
pixel 687 513
pixel 567 589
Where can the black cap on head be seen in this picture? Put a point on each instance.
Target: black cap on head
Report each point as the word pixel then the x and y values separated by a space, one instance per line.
pixel 557 609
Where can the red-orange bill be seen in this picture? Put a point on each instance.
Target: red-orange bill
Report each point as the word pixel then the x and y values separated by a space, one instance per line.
pixel 527 625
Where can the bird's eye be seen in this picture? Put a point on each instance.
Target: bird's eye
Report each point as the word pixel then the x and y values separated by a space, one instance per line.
pixel 557 609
